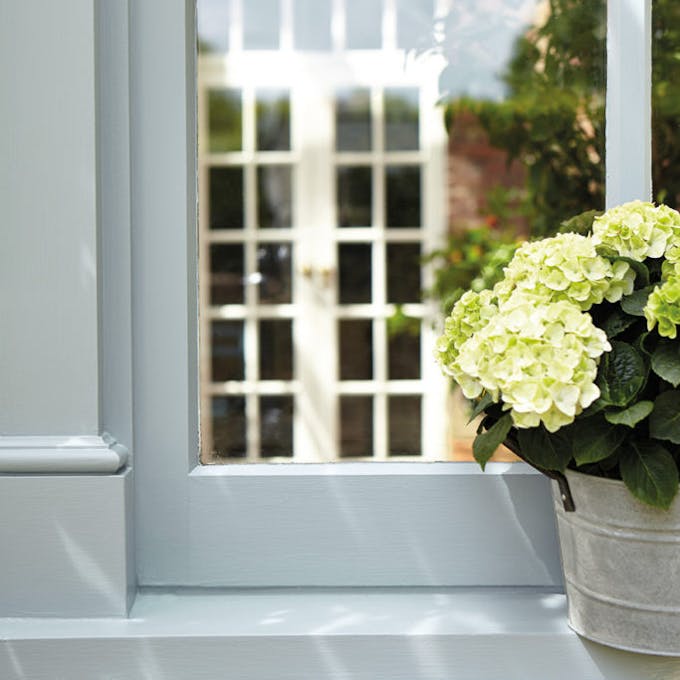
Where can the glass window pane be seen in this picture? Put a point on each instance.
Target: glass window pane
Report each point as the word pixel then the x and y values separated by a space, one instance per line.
pixel 364 24
pixel 312 24
pixel 276 426
pixel 226 347
pixel 212 18
pixel 226 198
pixel 229 427
pixel 274 272
pixel 404 356
pixel 356 426
pixel 276 349
pixel 226 274
pixel 261 24
pixel 273 120
pixel 354 269
pixel 353 120
pixel 356 349
pixel 355 189
pixel 415 24
pixel 402 186
pixel 526 112
pixel 403 272
pixel 665 103
pixel 401 119
pixel 404 425
pixel 224 120
pixel 274 208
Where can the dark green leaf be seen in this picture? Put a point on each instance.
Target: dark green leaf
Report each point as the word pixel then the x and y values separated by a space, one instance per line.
pixel 485 444
pixel 580 224
pixel 632 415
pixel 594 439
pixel 621 374
pixel 650 473
pixel 484 402
pixel 641 271
pixel 550 451
pixel 597 406
pixel 664 423
pixel 635 302
pixel 617 322
pixel 666 361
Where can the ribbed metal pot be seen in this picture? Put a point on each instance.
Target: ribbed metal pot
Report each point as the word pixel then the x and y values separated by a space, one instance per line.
pixel 621 561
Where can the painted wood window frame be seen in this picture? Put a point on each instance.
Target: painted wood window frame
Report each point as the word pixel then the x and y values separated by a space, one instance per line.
pixel 362 524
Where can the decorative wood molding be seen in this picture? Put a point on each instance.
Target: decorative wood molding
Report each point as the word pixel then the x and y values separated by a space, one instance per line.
pixel 84 454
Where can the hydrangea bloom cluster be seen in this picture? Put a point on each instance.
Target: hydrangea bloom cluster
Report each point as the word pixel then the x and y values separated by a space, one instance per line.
pixel 566 267
pixel 638 230
pixel 663 307
pixel 539 359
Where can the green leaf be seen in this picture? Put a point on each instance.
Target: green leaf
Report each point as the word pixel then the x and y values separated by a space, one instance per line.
pixel 664 423
pixel 666 361
pixel 621 375
pixel 635 302
pixel 650 473
pixel 550 451
pixel 484 402
pixel 594 439
pixel 631 416
pixel 617 322
pixel 485 444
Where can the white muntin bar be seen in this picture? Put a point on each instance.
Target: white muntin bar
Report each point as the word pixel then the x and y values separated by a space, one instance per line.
pixel 628 109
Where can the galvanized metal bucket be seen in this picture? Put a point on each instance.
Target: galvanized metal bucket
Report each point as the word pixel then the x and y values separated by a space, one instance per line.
pixel 621 563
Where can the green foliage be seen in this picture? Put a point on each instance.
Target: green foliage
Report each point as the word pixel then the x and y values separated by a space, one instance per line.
pixel 650 473
pixel 486 443
pixel 471 260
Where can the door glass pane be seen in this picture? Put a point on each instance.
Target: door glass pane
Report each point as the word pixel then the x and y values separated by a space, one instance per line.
pixel 354 262
pixel 403 272
pixel 261 24
pixel 213 26
pixel 274 193
pixel 226 198
pixel 355 190
pixel 356 349
pixel 274 272
pixel 404 355
pixel 276 426
pixel 276 349
pixel 403 196
pixel 312 24
pixel 405 425
pixel 227 351
pixel 224 120
pixel 226 274
pixel 273 120
pixel 401 119
pixel 414 24
pixel 356 426
pixel 364 24
pixel 228 427
pixel 353 120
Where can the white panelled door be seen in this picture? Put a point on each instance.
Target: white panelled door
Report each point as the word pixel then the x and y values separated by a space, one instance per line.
pixel 322 183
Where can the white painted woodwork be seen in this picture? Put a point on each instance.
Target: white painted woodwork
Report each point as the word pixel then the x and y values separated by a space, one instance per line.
pixel 65 549
pixel 48 187
pixel 629 107
pixel 59 455
pixel 350 634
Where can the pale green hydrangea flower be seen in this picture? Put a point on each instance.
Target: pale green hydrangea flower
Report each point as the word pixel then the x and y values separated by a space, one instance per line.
pixel 638 229
pixel 540 360
pixel 663 307
pixel 566 267
pixel 470 313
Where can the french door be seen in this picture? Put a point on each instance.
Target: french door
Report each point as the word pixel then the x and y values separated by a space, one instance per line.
pixel 322 184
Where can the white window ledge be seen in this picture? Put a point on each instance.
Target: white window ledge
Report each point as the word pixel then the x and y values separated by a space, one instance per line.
pixel 348 634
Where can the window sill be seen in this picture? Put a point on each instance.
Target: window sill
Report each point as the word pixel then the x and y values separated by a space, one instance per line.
pixel 376 634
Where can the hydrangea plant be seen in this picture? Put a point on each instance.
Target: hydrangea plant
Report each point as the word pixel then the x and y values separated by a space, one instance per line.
pixel 573 357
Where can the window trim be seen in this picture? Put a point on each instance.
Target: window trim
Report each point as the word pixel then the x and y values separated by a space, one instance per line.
pixel 385 523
